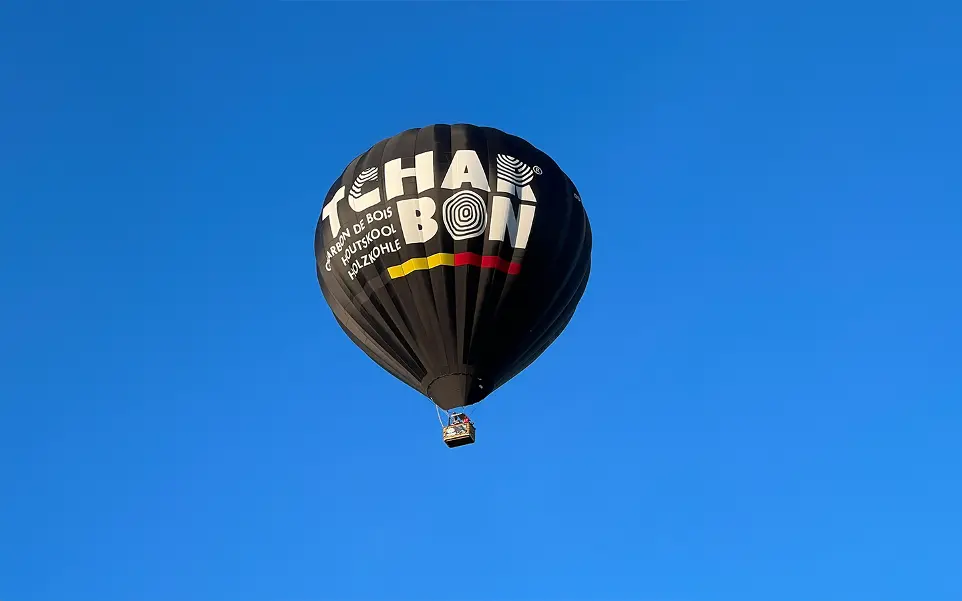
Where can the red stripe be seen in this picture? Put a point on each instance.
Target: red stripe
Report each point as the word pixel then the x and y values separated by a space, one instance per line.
pixel 490 261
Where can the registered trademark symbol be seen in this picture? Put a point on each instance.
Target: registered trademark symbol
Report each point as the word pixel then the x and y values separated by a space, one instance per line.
pixel 537 170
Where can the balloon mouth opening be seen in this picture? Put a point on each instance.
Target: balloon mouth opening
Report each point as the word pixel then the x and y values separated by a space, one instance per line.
pixel 456 390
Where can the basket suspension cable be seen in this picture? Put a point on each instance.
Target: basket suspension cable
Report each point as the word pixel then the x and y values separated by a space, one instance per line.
pixel 473 410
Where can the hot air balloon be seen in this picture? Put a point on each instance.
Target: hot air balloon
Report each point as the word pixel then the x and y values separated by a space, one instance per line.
pixel 453 256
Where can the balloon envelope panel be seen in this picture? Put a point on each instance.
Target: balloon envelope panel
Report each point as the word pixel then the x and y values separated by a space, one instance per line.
pixel 453 255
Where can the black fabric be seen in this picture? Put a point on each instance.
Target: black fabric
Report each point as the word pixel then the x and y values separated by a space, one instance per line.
pixel 485 309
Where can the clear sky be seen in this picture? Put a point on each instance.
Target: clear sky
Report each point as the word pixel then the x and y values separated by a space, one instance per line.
pixel 760 398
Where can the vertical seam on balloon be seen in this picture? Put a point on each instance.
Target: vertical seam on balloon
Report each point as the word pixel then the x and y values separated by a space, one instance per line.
pixel 486 309
pixel 373 345
pixel 452 350
pixel 416 315
pixel 537 345
pixel 435 313
pixel 374 311
pixel 506 286
pixel 369 317
pixel 468 286
pixel 551 332
pixel 409 337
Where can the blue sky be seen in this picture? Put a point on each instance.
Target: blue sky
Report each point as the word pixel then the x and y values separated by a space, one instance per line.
pixel 758 400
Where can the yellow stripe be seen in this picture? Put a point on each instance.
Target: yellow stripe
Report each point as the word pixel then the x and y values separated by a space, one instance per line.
pixel 412 265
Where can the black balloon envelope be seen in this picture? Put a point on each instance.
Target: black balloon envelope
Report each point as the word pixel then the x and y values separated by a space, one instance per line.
pixel 453 255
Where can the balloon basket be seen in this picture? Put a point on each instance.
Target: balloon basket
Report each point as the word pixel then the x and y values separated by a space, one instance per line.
pixel 458 435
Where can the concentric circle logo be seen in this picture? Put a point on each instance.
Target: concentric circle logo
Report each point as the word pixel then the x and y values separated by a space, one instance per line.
pixel 465 215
